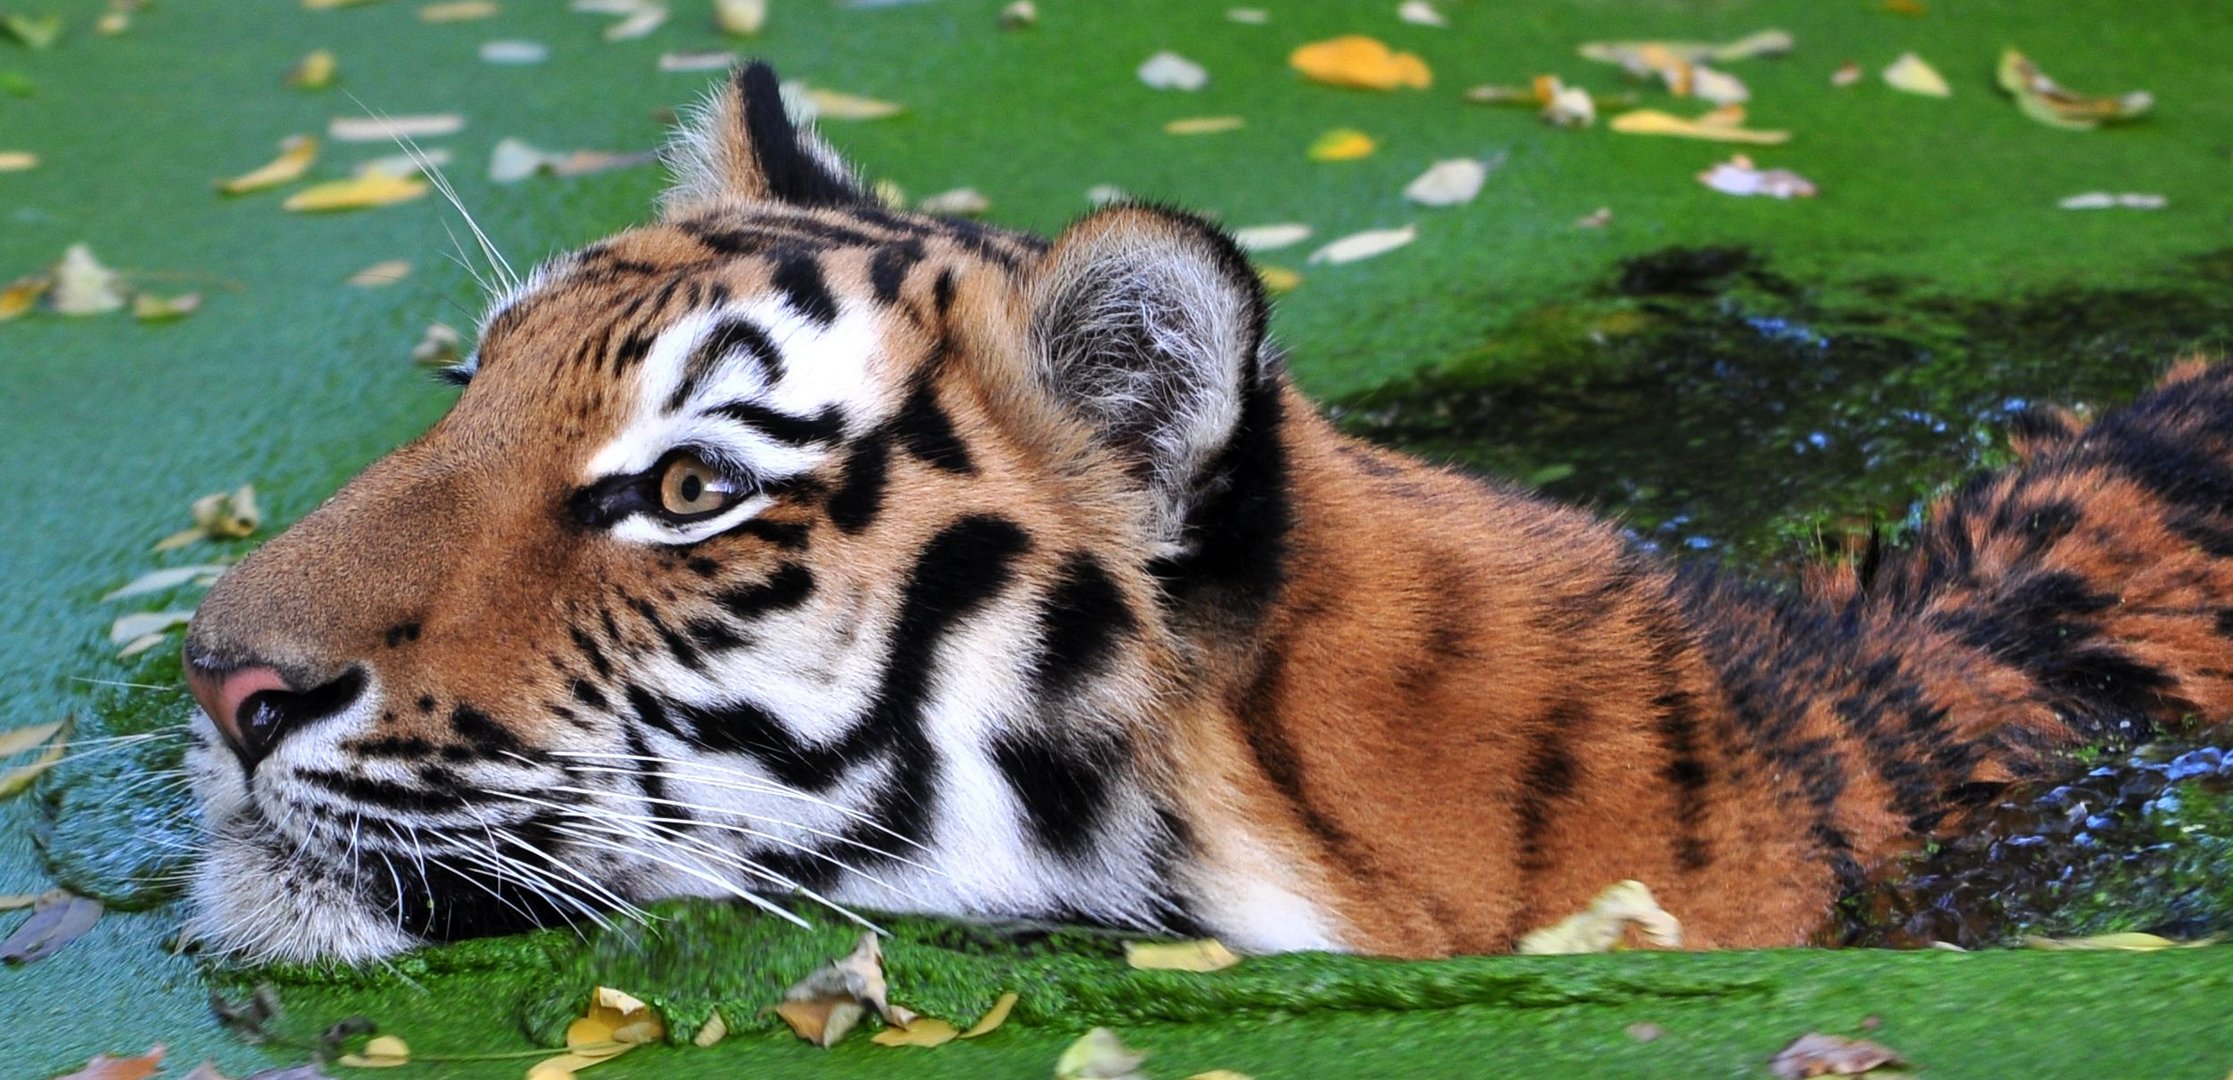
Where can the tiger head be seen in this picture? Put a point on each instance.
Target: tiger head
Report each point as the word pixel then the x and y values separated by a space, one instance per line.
pixel 787 546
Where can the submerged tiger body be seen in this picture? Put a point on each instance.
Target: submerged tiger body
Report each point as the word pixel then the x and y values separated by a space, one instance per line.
pixel 792 545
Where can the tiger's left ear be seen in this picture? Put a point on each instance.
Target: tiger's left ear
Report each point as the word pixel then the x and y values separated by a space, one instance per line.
pixel 742 146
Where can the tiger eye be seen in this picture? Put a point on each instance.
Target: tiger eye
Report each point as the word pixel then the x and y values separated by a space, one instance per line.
pixel 689 486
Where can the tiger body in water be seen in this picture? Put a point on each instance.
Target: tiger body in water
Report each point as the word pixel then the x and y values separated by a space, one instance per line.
pixel 796 546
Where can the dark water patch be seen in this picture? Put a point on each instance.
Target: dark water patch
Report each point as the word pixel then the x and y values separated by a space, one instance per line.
pixel 1715 406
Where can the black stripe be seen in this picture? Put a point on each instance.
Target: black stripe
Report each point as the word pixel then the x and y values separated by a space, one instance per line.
pixel 887 269
pixel 788 535
pixel 1547 776
pixel 591 651
pixel 1085 618
pixel 792 172
pixel 486 736
pixel 785 589
pixel 728 337
pixel 799 276
pixel 387 795
pixel 587 693
pixel 678 646
pixel 825 426
pixel 924 429
pixel 1063 785
pixel 856 502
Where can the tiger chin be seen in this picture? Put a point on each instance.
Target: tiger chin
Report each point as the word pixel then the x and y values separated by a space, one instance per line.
pixel 792 549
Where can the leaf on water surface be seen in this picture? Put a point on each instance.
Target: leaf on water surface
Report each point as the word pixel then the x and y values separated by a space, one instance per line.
pixel 147 307
pixel 459 11
pixel 994 1017
pixel 381 274
pixel 1564 106
pixel 1915 75
pixel 1099 1055
pixel 2042 99
pixel 1341 144
pixel 1648 59
pixel 1738 176
pixel 615 1023
pixel 59 918
pixel 715 1030
pixel 1021 15
pixel 1420 13
pixel 388 129
pixel 1721 125
pixel 380 1052
pixel 133 631
pixel 1595 219
pixel 1104 194
pixel 22 295
pixel 15 781
pixel 35 33
pixel 960 202
pixel 17 740
pixel 706 60
pixel 514 52
pixel 1364 245
pixel 1204 125
pixel 1449 183
pixel 1358 62
pixel 296 154
pixel 440 346
pixel 1169 71
pixel 1278 280
pixel 1847 74
pixel 82 286
pixel 2120 942
pixel 314 71
pixel 817 104
pixel 1205 955
pixel 201 575
pixel 921 1031
pixel 744 17
pixel 361 192
pixel 1816 1054
pixel 1270 237
pixel 223 515
pixel 104 1067
pixel 18 160
pixel 2102 200
pixel 825 1005
pixel 1603 925
pixel 638 18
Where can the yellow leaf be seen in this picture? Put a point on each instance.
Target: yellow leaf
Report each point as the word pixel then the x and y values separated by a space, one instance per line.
pixel 296 153
pixel 1601 926
pixel 14 901
pixel 380 1052
pixel 743 17
pixel 1341 144
pixel 17 740
pixel 1278 279
pixel 1364 245
pixel 20 296
pixel 1208 954
pixel 389 129
pixel 1916 76
pixel 1361 63
pixel 14 781
pixel 356 193
pixel 1204 125
pixel 2047 102
pixel 832 105
pixel 994 1017
pixel 821 1022
pixel 1098 1055
pixel 458 11
pixel 314 71
pixel 380 274
pixel 18 160
pixel 1220 1074
pixel 147 307
pixel 924 1031
pixel 715 1030
pixel 2124 942
pixel 1710 127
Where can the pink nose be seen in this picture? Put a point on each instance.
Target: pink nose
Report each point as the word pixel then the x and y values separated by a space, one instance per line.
pixel 222 692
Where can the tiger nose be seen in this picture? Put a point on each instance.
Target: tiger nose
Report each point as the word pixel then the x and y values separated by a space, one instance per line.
pixel 255 707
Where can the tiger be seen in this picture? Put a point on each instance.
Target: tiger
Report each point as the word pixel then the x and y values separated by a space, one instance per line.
pixel 799 550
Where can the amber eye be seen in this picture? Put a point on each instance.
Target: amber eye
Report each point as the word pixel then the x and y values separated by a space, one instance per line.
pixel 688 487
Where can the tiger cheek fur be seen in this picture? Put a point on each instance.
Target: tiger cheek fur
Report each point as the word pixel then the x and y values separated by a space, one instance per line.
pixel 795 547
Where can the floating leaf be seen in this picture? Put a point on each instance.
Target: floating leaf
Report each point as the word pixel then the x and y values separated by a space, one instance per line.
pixel 1816 1054
pixel 361 192
pixel 709 60
pixel 922 1031
pixel 1602 926
pixel 16 901
pixel 389 129
pixel 960 202
pixel 638 17
pixel 515 52
pixel 1208 954
pixel 147 307
pixel 2043 100
pixel 994 1017
pixel 1360 63
pixel 1341 144
pixel 21 295
pixel 1364 245
pixel 15 780
pixel 1420 13
pixel 17 740
pixel 1021 15
pixel 130 629
pixel 18 160
pixel 2123 942
pixel 1278 280
pixel 1099 1055
pixel 1915 75
pixel 201 575
pixel 1448 183
pixel 833 105
pixel 1248 16
pixel 59 918
pixel 440 346
pixel 1847 74
pixel 1204 125
pixel 381 274
pixel 1270 237
pixel 2102 200
pixel 325 5
pixel 104 1067
pixel 1714 126
pixel 225 515
pixel 714 1030
pixel 1220 1074
pixel 458 11
pixel 1650 58
pixel 1563 105
pixel 380 1052
pixel 296 154
pixel 36 33
pixel 1170 71
pixel 314 71
pixel 82 286
pixel 1738 176
pixel 825 1005
pixel 740 16
pixel 1104 194
pixel 615 1023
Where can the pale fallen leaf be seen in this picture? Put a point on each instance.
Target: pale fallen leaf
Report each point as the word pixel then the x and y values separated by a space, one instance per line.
pixel 381 274
pixel 1099 1055
pixel 1420 13
pixel 1738 176
pixel 324 5
pixel 82 286
pixel 1364 245
pixel 514 52
pixel 1718 87
pixel 59 918
pixel 1601 926
pixel 139 645
pixel 740 16
pixel 2119 942
pixel 707 60
pixel 2042 99
pixel 960 202
pixel 1847 74
pixel 356 193
pixel 22 295
pixel 1021 15
pixel 1204 125
pixel 112 23
pixel 714 1030
pixel 638 18
pixel 922 1031
pixel 35 33
pixel 388 129
pixel 18 160
pixel 1710 127
pixel 14 781
pixel 1816 1054
pixel 615 1023
pixel 825 1005
pixel 1915 75
pixel 1208 954
pixel 1360 63
pixel 818 104
pixel 1220 1074
pixel 1648 58
pixel 314 71
pixel 131 628
pixel 415 163
pixel 201 575
pixel 1341 144
pixel 1271 237
pixel 1448 183
pixel 104 1067
pixel 17 901
pixel 1565 106
pixel 17 740
pixel 1104 194
pixel 440 346
pixel 1248 16
pixel 1595 219
pixel 514 160
pixel 147 307
pixel 888 195
pixel 459 11
pixel 380 1052
pixel 2102 200
pixel 1278 280
pixel 1169 71
pixel 994 1017
pixel 223 515
pixel 296 154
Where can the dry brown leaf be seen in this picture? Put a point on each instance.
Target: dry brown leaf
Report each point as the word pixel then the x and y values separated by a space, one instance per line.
pixel 921 1031
pixel 1360 63
pixel 1915 75
pixel 1603 925
pixel 1816 1054
pixel 18 160
pixel 826 1004
pixel 615 1023
pixel 360 192
pixel 314 71
pixel 2047 102
pixel 104 1067
pixel 82 286
pixel 714 1030
pixel 388 129
pixel 1709 126
pixel 1099 1055
pixel 296 154
pixel 994 1017
pixel 380 274
pixel 1208 954
pixel 22 295
pixel 59 918
pixel 459 11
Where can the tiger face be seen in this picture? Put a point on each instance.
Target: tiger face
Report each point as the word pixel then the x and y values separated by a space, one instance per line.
pixel 787 546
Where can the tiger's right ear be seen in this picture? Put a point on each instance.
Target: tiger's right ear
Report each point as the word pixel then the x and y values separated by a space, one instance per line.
pixel 741 146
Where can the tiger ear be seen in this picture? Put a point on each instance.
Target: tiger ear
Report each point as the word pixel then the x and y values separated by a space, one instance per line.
pixel 1150 324
pixel 742 145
